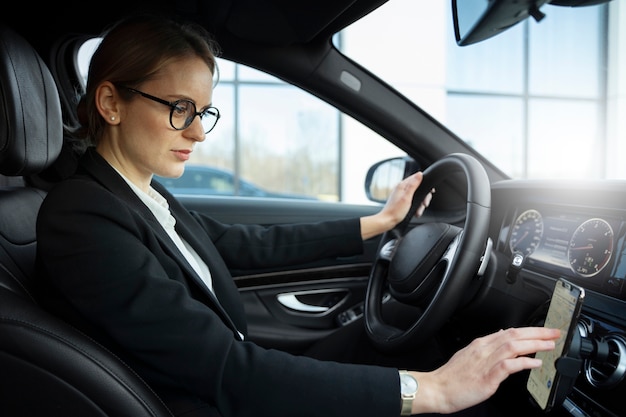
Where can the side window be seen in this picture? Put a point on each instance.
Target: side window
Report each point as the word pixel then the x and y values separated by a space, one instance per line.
pixel 292 145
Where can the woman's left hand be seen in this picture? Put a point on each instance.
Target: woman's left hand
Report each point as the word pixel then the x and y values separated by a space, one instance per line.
pixel 397 206
pixel 399 202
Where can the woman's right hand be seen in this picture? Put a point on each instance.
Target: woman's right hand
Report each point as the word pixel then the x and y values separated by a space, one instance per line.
pixel 474 373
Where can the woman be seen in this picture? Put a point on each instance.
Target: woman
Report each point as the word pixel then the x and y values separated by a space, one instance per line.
pixel 128 264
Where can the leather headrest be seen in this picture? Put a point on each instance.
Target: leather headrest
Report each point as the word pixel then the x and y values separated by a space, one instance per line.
pixel 31 124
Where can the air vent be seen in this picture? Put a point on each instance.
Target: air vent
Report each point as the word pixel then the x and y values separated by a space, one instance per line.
pixel 585 327
pixel 610 372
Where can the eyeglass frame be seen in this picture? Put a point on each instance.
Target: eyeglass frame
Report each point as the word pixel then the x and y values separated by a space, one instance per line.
pixel 173 105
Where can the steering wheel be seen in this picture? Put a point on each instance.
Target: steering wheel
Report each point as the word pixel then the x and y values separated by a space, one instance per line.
pixel 430 266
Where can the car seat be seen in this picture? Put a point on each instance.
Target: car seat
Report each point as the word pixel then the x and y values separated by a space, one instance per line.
pixel 47 367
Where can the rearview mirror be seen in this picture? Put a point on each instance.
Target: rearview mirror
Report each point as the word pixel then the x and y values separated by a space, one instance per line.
pixel 477 20
pixel 383 176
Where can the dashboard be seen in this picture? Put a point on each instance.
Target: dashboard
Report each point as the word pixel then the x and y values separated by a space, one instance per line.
pixel 577 232
pixel 585 246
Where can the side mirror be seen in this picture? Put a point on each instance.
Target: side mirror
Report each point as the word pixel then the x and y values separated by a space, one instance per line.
pixel 383 176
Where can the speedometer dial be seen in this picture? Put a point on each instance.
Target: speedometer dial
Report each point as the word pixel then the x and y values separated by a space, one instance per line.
pixel 590 247
pixel 527 232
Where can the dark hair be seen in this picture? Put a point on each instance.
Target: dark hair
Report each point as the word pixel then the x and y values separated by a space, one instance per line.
pixel 133 51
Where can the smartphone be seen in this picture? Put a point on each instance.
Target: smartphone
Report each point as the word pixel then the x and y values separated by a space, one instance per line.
pixel 563 313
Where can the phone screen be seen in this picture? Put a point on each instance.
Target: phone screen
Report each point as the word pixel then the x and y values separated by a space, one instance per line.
pixel 563 314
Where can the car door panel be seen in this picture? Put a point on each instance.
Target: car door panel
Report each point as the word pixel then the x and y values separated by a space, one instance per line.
pixel 293 316
pixel 290 308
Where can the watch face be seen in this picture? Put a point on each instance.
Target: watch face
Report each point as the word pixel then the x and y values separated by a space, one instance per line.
pixel 408 384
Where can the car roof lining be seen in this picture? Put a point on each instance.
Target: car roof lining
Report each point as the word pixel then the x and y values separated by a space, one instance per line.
pixel 268 22
pixel 291 21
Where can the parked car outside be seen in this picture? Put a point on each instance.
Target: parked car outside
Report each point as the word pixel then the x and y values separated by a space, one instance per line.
pixel 206 180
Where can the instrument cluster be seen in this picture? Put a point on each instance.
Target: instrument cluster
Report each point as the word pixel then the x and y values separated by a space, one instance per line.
pixel 582 246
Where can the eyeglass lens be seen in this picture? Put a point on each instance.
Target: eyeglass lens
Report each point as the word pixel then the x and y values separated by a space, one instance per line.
pixel 184 111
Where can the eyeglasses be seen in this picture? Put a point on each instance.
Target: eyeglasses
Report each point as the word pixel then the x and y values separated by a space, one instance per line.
pixel 183 112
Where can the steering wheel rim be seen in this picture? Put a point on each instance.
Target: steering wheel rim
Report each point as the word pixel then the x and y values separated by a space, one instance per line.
pixel 447 267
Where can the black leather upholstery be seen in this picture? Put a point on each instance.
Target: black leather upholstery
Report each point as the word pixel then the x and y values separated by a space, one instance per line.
pixel 47 368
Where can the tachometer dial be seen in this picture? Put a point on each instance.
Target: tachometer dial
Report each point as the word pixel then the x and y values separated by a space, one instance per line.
pixel 527 232
pixel 590 247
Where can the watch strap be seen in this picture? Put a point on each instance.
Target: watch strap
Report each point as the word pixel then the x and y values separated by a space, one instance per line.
pixel 406 400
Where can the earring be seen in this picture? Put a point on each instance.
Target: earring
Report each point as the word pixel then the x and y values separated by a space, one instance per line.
pixel 112 118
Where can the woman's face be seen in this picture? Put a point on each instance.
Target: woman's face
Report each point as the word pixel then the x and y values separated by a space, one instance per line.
pixel 144 142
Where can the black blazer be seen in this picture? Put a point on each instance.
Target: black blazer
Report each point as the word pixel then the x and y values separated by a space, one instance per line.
pixel 114 272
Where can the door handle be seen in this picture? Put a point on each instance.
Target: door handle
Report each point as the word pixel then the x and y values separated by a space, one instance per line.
pixel 291 302
pixel 317 301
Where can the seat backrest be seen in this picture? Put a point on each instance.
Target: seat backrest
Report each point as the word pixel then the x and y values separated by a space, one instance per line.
pixel 47 367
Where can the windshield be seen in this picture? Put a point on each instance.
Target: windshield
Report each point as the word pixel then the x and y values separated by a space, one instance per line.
pixel 540 100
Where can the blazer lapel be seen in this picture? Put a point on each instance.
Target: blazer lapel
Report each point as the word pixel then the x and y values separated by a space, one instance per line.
pixel 102 172
pixel 223 283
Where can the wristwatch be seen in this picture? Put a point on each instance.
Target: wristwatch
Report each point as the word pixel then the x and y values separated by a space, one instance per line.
pixel 408 389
